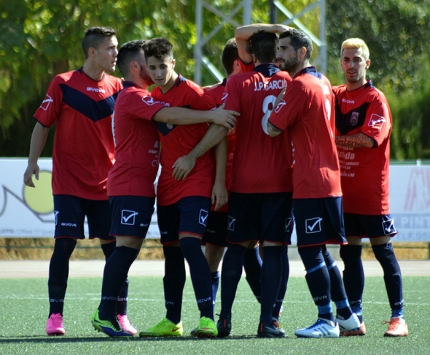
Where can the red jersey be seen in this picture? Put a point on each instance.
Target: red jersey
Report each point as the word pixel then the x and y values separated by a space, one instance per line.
pixel 261 164
pixel 83 148
pixel 216 93
pixel 307 109
pixel 137 143
pixel 178 141
pixel 364 171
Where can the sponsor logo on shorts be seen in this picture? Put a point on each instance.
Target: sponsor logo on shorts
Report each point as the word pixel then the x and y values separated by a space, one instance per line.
pixel 203 217
pixel 56 216
pixel 68 224
pixel 389 227
pixel 128 217
pixel 313 225
pixel 288 225
pixel 231 223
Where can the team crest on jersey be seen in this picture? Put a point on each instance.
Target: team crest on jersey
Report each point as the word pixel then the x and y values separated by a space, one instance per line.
pixel 203 217
pixel 46 102
pixel 313 225
pixel 281 104
pixel 377 121
pixel 353 120
pixel 128 217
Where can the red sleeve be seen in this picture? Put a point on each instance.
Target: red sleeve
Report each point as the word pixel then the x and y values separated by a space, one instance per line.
pixel 377 124
pixel 51 105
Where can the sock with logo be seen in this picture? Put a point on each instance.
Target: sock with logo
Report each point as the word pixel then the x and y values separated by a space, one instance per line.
pixel 318 280
pixel 384 253
pixel 59 273
pixel 353 277
pixel 114 277
pixel 252 265
pixel 231 273
pixel 121 305
pixel 283 286
pixel 270 281
pixel 174 282
pixel 337 290
pixel 200 275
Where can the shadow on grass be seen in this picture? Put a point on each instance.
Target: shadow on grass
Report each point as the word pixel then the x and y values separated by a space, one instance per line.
pixel 60 340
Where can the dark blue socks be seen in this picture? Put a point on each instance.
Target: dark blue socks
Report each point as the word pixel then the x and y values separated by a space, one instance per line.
pixel 200 274
pixel 114 278
pixel 59 273
pixel 230 276
pixel 384 253
pixel 174 281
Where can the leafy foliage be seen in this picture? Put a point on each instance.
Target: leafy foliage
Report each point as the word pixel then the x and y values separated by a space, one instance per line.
pixel 39 39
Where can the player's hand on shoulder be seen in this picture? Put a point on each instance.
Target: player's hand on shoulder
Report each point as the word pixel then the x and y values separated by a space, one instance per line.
pixel 226 118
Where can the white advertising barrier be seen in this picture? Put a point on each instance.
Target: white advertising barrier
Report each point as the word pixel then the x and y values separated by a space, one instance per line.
pixel 28 212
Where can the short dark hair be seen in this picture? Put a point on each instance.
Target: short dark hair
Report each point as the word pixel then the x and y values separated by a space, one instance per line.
pixel 159 48
pixel 94 36
pixel 229 55
pixel 128 52
pixel 299 39
pixel 263 45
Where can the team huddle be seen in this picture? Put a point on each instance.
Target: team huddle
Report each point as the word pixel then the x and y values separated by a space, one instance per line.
pixel 272 148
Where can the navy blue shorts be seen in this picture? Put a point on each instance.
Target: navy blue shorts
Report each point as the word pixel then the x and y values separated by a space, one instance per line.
pixel 187 216
pixel 366 226
pixel 260 217
pixel 319 221
pixel 70 213
pixel 131 215
pixel 216 229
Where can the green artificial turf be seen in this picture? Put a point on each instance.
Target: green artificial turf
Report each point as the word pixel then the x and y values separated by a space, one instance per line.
pixel 24 310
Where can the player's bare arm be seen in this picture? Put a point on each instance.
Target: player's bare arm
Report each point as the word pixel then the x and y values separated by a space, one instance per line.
pixel 219 191
pixel 359 140
pixel 272 130
pixel 185 116
pixel 185 164
pixel 38 140
pixel 243 33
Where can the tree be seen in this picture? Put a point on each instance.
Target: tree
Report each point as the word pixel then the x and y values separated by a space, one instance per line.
pixel 39 39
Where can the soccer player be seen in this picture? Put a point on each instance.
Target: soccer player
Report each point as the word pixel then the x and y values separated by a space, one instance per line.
pixel 183 202
pixel 81 103
pixel 215 235
pixel 363 128
pixel 131 180
pixel 306 112
pixel 260 188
